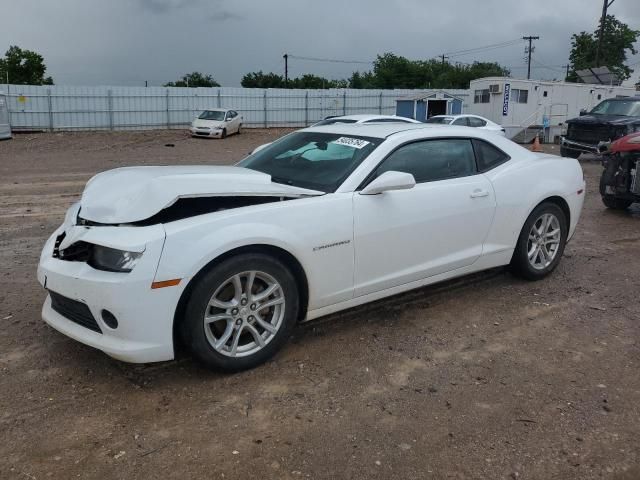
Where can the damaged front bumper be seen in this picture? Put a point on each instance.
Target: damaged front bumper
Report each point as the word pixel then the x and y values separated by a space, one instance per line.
pixel 82 301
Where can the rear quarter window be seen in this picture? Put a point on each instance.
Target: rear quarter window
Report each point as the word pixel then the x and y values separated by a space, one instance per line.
pixel 488 156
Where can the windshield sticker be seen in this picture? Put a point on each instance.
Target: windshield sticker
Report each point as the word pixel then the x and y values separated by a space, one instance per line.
pixel 351 142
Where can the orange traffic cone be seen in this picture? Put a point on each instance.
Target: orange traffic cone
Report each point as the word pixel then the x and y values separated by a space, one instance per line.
pixel 536 145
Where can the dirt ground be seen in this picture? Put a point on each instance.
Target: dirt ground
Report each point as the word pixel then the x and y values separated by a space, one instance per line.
pixel 488 378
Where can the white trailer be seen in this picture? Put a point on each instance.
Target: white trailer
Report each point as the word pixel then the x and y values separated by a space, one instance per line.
pixel 5 128
pixel 528 107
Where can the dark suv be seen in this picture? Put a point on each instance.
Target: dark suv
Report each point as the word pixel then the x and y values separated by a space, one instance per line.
pixel 609 120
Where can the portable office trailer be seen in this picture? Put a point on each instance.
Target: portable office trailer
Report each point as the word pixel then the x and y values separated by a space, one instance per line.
pixel 422 106
pixel 5 128
pixel 536 105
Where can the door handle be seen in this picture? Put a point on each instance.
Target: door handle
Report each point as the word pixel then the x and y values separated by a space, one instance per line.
pixel 479 193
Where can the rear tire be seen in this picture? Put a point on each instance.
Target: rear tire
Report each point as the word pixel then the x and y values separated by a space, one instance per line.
pixel 541 242
pixel 228 326
pixel 569 152
pixel 615 203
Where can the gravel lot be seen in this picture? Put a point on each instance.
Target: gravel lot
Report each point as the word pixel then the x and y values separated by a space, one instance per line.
pixel 489 378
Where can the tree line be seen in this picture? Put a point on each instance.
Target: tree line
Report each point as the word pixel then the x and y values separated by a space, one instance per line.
pixel 389 71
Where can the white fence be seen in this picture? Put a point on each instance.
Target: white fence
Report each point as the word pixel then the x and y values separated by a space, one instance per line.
pixel 120 108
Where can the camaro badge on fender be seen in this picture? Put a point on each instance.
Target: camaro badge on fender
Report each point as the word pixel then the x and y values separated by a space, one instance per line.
pixel 329 245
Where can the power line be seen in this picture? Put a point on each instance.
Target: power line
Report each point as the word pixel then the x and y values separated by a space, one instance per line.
pixel 555 68
pixel 494 46
pixel 330 60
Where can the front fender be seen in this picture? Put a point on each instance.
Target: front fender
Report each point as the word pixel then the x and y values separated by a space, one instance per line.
pixel 185 254
pixel 300 227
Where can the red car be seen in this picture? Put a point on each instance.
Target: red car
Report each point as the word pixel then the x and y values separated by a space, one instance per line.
pixel 620 181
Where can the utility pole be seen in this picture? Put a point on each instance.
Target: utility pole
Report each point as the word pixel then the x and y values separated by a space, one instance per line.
pixel 444 57
pixel 605 5
pixel 286 70
pixel 567 75
pixel 146 83
pixel 529 51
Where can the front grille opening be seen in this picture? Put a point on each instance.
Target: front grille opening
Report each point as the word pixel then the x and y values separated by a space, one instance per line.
pixel 75 311
pixel 56 245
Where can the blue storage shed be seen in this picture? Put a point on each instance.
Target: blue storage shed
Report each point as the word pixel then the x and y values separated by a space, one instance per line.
pixel 425 105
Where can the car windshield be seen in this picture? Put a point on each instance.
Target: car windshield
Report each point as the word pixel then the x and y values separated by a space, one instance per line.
pixel 318 161
pixel 333 121
pixel 212 115
pixel 630 108
pixel 446 120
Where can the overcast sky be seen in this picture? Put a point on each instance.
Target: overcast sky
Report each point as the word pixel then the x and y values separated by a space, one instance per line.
pixel 125 42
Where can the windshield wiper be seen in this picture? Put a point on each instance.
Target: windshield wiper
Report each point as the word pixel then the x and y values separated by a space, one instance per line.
pixel 281 180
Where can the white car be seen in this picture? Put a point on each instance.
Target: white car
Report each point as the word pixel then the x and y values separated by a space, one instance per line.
pixel 227 259
pixel 468 121
pixel 365 118
pixel 216 123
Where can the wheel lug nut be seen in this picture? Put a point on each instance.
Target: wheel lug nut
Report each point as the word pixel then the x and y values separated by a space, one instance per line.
pixel 252 318
pixel 253 306
pixel 234 311
pixel 243 301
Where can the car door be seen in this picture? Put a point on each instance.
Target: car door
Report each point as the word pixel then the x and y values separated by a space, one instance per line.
pixel 236 120
pixel 437 226
pixel 230 122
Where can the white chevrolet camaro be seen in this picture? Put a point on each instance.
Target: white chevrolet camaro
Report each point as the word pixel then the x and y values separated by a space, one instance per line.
pixel 227 259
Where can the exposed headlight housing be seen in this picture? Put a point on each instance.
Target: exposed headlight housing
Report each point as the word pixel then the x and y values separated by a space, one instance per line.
pixel 112 260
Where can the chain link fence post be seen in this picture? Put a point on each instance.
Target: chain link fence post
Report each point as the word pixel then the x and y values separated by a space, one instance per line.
pixel 110 108
pixel 166 96
pixel 264 99
pixel 219 100
pixel 306 108
pixel 380 104
pixel 50 110
pixel 344 103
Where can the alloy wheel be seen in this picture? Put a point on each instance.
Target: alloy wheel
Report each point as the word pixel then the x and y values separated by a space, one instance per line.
pixel 543 242
pixel 244 313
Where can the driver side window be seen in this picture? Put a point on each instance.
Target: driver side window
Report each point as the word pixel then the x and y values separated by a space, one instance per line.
pixel 462 121
pixel 432 160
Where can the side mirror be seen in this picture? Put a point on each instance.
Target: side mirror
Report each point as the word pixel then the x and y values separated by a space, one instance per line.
pixel 583 112
pixel 389 181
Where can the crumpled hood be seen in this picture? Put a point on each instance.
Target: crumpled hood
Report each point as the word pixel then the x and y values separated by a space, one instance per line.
pixel 131 194
pixel 603 119
pixel 199 123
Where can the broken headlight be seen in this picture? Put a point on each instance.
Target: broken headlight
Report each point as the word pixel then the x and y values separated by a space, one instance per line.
pixel 112 260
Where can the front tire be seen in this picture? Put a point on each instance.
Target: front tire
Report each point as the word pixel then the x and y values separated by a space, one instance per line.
pixel 241 312
pixel 224 133
pixel 541 242
pixel 615 203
